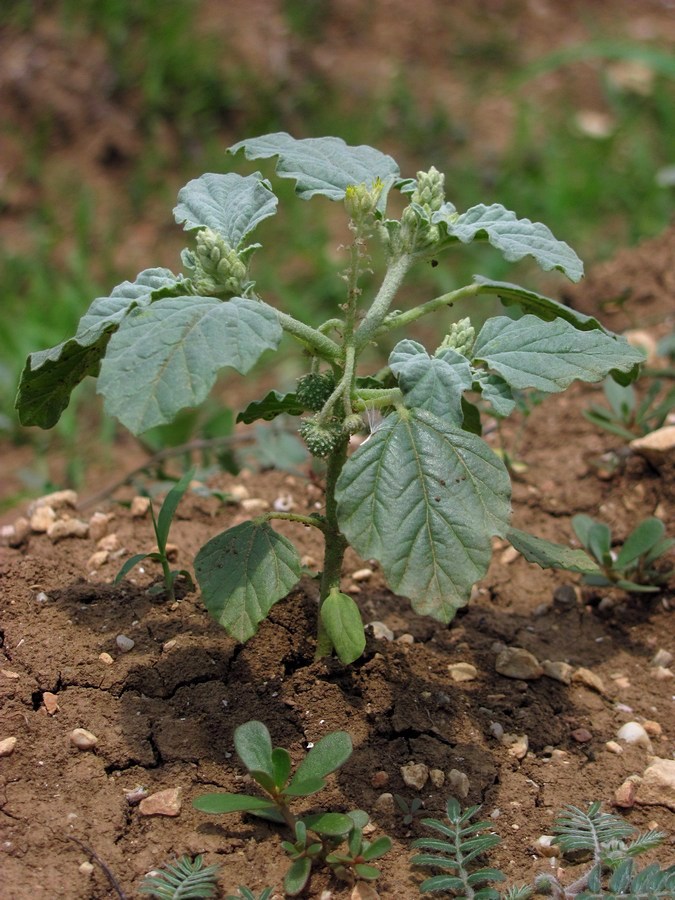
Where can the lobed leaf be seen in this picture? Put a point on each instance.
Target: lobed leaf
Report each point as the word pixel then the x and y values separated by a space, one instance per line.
pixel 549 356
pixel 174 349
pixel 435 383
pixel 537 304
pixel 50 376
pixel 515 238
pixel 272 405
pixel 325 166
pixel 231 204
pixel 243 572
pixel 424 498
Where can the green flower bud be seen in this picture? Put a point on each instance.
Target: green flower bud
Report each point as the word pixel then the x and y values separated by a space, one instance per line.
pixel 361 200
pixel 460 337
pixel 217 267
pixel 321 439
pixel 314 389
pixel 430 190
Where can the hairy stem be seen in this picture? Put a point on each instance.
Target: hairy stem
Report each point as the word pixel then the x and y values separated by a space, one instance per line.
pixel 335 545
pixel 375 316
pixel 405 318
pixel 319 343
pixel 315 521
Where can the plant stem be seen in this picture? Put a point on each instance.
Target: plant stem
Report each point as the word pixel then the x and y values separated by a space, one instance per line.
pixel 315 521
pixel 380 307
pixel 320 344
pixel 411 315
pixel 335 544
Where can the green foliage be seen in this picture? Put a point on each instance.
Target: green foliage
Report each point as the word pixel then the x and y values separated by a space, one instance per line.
pixel 161 525
pixel 629 417
pixel 244 893
pixel 172 334
pixel 186 879
pixel 636 567
pixel 463 844
pixel 409 810
pixel 317 838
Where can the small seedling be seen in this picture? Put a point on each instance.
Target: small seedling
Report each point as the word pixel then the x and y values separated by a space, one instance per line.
pixel 629 417
pixel 244 893
pixel 186 878
pixel 602 836
pixel 409 810
pixel 317 837
pixel 636 567
pixel 424 494
pixel 161 526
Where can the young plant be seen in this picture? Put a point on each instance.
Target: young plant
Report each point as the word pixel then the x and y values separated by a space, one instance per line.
pixel 244 893
pixel 634 568
pixel 629 417
pixel 186 878
pixel 161 526
pixel 317 837
pixel 424 494
pixel 409 810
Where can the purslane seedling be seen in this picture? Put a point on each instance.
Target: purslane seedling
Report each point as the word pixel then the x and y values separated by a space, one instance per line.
pixel 318 837
pixel 637 567
pixel 629 417
pixel 424 495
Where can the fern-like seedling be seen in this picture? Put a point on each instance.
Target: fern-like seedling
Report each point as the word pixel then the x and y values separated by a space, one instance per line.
pixel 244 893
pixel 612 843
pixel 458 851
pixel 186 879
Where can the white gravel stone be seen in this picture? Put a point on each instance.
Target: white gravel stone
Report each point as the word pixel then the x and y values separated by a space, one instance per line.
pixel 657 447
pixel 613 747
pixel 7 746
pixel 589 679
pixel 634 733
pixel 545 847
pixel 381 631
pixel 124 643
pixel 83 739
pixel 109 542
pixel 462 671
pixel 86 868
pixel 437 777
pixel 239 492
pixel 458 784
pixel 65 528
pixel 657 787
pixel 362 575
pixel 106 659
pixel 415 775
pixel 625 794
pixel 162 803
pixel 364 891
pixel 516 744
pixel 97 559
pixel 42 518
pixel 57 500
pixel 662 673
pixel 385 803
pixel 98 525
pixel 139 507
pixel 514 662
pixel 284 503
pixel 661 658
pixel 558 670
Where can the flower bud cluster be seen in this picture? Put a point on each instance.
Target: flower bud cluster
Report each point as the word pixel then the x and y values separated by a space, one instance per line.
pixel 460 337
pixel 430 190
pixel 361 201
pixel 216 266
pixel 428 197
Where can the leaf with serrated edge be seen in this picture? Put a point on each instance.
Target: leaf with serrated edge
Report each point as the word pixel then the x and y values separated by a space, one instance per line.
pixel 424 498
pixel 549 356
pixel 167 356
pixel 272 405
pixel 537 304
pixel 50 375
pixel 549 555
pixel 342 621
pixel 231 204
pixel 324 165
pixel 515 238
pixel 434 382
pixel 243 572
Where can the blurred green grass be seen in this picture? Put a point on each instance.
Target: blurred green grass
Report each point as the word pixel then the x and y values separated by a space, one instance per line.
pixel 594 185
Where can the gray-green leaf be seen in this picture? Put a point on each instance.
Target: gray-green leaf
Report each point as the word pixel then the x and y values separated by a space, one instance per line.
pixel 342 620
pixel 50 375
pixel 515 238
pixel 243 572
pixel 324 165
pixel 428 382
pixel 537 304
pixel 231 204
pixel 495 391
pixel 424 498
pixel 549 555
pixel 549 356
pixel 167 356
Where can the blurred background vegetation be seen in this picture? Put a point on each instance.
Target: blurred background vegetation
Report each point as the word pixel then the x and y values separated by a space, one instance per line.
pixel 107 107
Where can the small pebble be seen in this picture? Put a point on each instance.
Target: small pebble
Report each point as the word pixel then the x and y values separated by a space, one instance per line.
pixel 139 507
pixel 380 779
pixel 515 662
pixel 581 735
pixel 20 531
pixel 97 559
pixel 9 674
pixel 86 868
pixel 7 746
pixel 634 733
pixel 662 673
pixel 124 643
pixel 41 597
pixel 565 597
pixel 65 528
pixel 405 638
pixel 42 519
pixel 657 787
pixel 364 891
pixel 284 503
pixel 545 847
pixel 621 681
pixel 109 542
pixel 516 744
pixel 169 645
pixel 163 803
pixel 135 796
pixel 508 556
pixel 497 730
pixel 83 739
pixel 661 658
pixel 437 777
pixel 239 492
pixel 362 575
pixel 415 775
pixel 589 679
pixel 51 702
pixel 458 783
pixel 558 671
pixel 613 747
pixel 652 728
pixel 57 500
pixel 624 796
pixel 106 659
pixel 462 671
pixel 98 525
pixel 385 803
pixel 254 504
pixel 381 631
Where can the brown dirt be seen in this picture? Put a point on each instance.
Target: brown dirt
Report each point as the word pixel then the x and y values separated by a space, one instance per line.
pixel 165 715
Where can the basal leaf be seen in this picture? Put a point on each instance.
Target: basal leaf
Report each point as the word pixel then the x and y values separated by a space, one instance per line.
pixel 324 165
pixel 243 572
pixel 515 238
pixel 231 204
pixel 253 744
pixel 166 356
pixel 549 555
pixel 537 304
pixel 272 405
pixel 435 383
pixel 549 356
pixel 50 376
pixel 424 498
pixel 342 620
